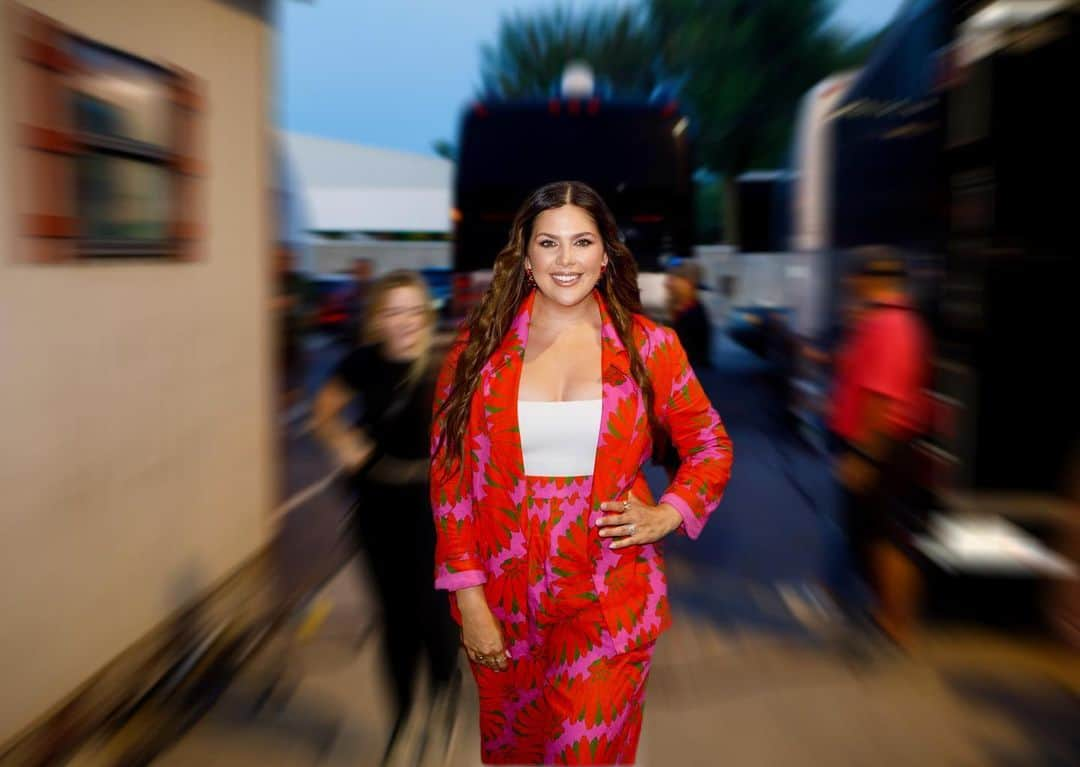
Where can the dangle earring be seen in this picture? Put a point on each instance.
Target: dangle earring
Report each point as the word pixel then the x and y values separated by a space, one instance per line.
pixel 532 282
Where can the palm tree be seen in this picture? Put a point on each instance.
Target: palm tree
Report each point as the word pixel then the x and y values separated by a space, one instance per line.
pixel 741 66
pixel 531 51
pixel 745 66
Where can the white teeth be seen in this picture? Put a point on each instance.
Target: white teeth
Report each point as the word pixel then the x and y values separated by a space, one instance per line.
pixel 565 279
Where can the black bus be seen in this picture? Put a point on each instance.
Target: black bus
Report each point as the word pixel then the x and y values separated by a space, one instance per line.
pixel 636 154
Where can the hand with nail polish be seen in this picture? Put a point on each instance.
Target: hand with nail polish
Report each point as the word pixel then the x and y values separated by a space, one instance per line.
pixel 634 523
pixel 481 635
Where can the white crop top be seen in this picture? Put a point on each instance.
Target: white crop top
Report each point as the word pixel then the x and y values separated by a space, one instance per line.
pixel 558 439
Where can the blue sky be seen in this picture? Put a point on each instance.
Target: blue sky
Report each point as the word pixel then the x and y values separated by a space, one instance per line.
pixel 396 73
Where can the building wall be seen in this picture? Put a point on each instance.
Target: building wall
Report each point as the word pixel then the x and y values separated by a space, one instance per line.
pixel 135 398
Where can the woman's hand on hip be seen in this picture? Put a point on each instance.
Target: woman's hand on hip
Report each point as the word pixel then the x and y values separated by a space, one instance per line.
pixel 481 635
pixel 634 523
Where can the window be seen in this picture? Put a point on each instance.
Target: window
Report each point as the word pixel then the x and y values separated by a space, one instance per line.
pixel 107 150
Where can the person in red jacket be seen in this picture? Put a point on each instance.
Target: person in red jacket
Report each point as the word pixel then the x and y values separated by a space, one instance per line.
pixel 879 406
pixel 546 411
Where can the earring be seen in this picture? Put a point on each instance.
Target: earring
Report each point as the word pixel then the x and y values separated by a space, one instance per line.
pixel 603 268
pixel 532 282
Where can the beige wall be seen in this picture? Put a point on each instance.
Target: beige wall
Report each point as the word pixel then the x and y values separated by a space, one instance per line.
pixel 135 447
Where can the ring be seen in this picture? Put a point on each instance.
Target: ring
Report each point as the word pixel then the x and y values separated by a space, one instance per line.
pixel 631 529
pixel 626 505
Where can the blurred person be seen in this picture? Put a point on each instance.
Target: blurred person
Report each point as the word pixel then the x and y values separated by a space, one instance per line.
pixel 292 306
pixel 879 406
pixel 547 531
pixel 688 317
pixel 386 454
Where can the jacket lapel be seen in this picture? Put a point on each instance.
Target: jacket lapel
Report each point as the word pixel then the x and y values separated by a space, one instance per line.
pixel 499 381
pixel 616 462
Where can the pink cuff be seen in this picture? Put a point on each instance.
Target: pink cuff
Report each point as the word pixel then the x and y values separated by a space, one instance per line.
pixel 691 522
pixel 459 581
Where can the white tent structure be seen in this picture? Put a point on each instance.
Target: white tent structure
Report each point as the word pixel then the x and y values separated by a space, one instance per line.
pixel 347 188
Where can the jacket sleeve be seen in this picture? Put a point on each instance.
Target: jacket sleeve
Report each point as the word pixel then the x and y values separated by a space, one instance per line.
pixel 457 561
pixel 699 436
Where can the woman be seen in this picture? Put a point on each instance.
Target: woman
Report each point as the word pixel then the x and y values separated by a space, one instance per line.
pixel 548 405
pixel 386 454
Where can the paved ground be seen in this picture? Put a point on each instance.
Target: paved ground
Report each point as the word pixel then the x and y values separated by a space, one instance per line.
pixel 752 674
pixel 716 696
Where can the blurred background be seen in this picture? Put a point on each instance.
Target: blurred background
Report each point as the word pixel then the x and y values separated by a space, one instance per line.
pixel 201 195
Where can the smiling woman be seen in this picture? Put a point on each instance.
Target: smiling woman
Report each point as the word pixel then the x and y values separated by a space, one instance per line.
pixel 546 412
pixel 566 255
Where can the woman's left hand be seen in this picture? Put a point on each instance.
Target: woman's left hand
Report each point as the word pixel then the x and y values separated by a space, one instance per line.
pixel 635 523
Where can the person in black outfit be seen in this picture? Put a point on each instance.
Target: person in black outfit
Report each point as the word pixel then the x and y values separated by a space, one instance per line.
pixel 386 456
pixel 688 317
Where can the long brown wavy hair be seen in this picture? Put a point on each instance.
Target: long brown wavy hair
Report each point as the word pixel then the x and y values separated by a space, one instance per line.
pixel 491 318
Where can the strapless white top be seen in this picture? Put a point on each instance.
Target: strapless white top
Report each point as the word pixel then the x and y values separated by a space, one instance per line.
pixel 558 439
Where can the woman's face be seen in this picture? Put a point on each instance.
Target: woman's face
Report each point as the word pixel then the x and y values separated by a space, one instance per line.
pixel 403 323
pixel 566 254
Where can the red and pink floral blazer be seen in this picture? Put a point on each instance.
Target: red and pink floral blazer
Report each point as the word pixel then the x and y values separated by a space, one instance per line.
pixel 478 507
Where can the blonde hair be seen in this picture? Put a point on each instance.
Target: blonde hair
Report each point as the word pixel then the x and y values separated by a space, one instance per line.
pixel 370 333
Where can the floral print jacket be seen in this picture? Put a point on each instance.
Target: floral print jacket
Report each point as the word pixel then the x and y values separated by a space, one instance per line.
pixel 478 507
